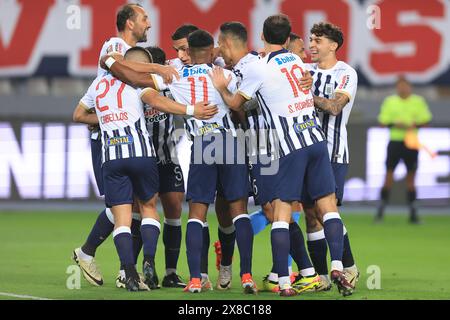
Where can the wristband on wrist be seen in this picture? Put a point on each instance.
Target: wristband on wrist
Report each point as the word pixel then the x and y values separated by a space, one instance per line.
pixel 109 62
pixel 190 110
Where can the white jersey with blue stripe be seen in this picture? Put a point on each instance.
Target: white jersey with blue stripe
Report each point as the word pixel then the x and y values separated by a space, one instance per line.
pixel 120 113
pixel 195 86
pixel 288 110
pixel 326 82
pixel 161 127
pixel 257 142
pixel 112 45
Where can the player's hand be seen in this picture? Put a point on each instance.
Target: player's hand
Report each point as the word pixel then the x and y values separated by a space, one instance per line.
pixel 204 111
pixel 306 81
pixel 167 73
pixel 103 59
pixel 93 128
pixel 218 78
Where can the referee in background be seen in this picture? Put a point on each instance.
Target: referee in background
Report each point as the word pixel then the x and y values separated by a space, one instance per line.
pixel 403 113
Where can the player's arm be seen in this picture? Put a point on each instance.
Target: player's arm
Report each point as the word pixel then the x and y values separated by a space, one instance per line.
pixel 166 72
pixel 233 100
pixel 201 110
pixel 332 106
pixel 128 75
pixel 82 114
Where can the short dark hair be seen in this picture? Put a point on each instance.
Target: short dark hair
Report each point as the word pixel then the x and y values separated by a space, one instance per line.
pixel 141 52
pixel 184 31
pixel 158 54
pixel 330 31
pixel 125 13
pixel 277 29
pixel 293 36
pixel 236 29
pixel 200 39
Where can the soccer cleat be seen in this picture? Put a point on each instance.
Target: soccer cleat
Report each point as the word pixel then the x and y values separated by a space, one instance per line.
pixel 218 251
pixel 248 284
pixel 224 280
pixel 287 291
pixel 134 284
pixel 194 286
pixel 89 268
pixel 308 283
pixel 324 283
pixel 344 287
pixel 271 286
pixel 206 284
pixel 151 278
pixel 173 281
pixel 352 275
pixel 120 281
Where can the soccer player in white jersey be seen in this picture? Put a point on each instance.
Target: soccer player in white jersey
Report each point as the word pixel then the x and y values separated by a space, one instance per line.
pixel 226 176
pixel 225 228
pixel 128 157
pixel 132 25
pixel 234 49
pixel 334 88
pixel 297 145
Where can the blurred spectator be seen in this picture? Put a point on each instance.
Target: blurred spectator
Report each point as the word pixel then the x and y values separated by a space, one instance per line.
pixel 403 113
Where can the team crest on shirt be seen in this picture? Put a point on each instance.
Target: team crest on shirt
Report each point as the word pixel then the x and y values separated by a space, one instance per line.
pixel 152 115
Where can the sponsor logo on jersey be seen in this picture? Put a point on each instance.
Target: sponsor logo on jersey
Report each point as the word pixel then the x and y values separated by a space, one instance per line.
pixel 299 127
pixel 115 141
pixel 344 82
pixel 283 60
pixel 153 115
pixel 187 72
pixel 208 128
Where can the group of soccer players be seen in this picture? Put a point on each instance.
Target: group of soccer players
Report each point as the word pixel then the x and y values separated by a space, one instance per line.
pixel 265 122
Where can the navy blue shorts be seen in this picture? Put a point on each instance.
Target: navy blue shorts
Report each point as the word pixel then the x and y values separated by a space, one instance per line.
pixel 125 177
pixel 261 183
pixel 96 154
pixel 340 172
pixel 170 177
pixel 210 171
pixel 308 168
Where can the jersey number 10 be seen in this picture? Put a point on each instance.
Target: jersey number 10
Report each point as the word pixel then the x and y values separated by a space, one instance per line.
pixel 294 80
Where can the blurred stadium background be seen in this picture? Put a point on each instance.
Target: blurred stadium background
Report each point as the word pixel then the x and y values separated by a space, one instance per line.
pixel 49 53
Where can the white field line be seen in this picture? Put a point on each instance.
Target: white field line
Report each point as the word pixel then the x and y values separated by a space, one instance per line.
pixel 20 296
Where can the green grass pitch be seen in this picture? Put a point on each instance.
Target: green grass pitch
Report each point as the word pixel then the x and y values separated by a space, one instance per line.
pixel 35 251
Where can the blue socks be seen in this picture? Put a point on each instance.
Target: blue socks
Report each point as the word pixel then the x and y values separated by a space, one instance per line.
pixel 150 229
pixel 194 246
pixel 124 246
pixel 298 249
pixel 244 240
pixel 280 249
pixel 333 228
pixel 172 242
pixel 205 248
pixel 227 237
pixel 318 248
pixel 102 228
